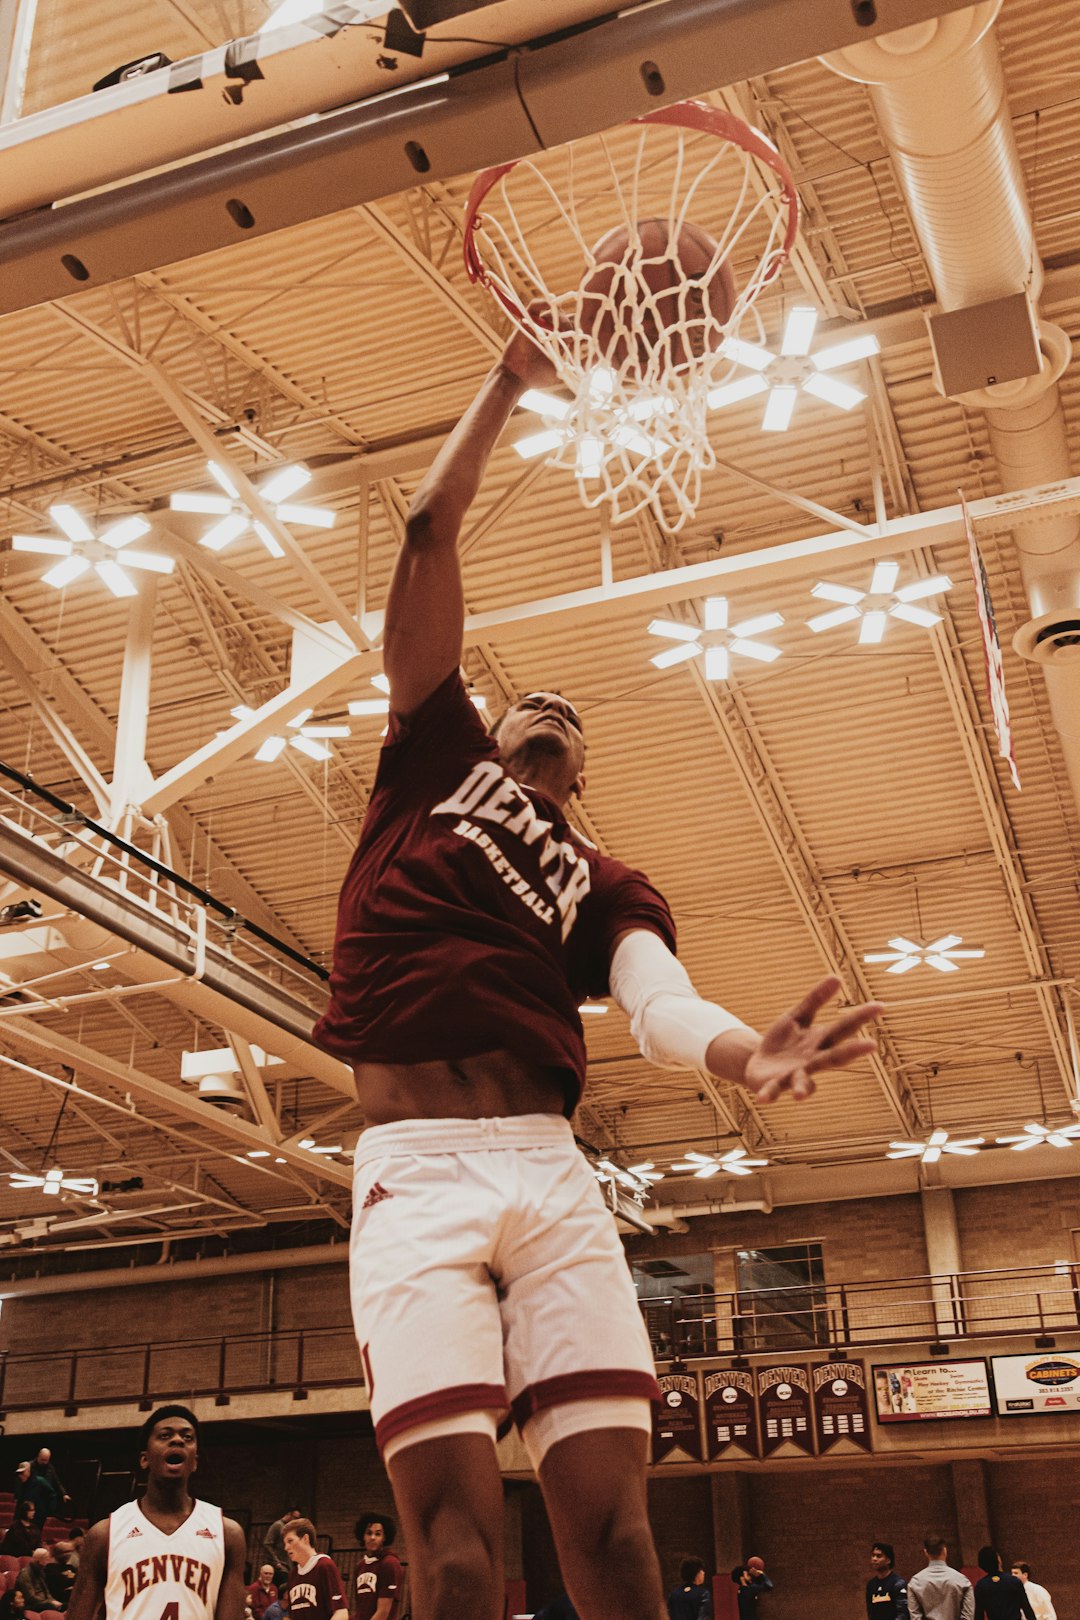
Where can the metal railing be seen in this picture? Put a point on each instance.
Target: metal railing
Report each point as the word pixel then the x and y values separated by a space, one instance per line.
pixel 849 1316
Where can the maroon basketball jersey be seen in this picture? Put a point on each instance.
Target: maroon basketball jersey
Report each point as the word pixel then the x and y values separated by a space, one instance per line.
pixel 472 918
pixel 376 1578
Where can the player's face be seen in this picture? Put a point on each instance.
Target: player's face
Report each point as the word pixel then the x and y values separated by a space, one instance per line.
pixel 297 1547
pixel 374 1538
pixel 171 1450
pixel 544 725
pixel 879 1563
pixel 1021 1575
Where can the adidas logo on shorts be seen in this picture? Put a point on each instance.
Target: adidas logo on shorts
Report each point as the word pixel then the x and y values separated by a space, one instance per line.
pixel 375 1196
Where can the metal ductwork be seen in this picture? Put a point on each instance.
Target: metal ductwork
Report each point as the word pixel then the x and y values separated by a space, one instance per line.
pixel 81 1282
pixel 938 92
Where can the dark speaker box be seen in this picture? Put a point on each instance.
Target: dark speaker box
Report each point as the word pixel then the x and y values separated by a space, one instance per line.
pixel 984 344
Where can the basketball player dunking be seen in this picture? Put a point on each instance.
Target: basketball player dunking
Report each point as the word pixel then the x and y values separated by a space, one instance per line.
pixel 487 1275
pixel 165 1556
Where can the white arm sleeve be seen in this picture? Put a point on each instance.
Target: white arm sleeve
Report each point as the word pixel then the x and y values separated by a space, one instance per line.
pixel 668 1019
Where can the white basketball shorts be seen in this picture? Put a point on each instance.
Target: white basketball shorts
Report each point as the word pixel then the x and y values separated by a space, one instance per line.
pixel 486 1274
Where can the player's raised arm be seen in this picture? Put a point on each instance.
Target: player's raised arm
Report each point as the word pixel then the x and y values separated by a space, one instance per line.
pixel 230 1599
pixel 425 613
pixel 87 1599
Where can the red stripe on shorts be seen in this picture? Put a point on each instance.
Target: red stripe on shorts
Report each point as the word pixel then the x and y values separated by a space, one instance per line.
pixel 440 1403
pixel 597 1385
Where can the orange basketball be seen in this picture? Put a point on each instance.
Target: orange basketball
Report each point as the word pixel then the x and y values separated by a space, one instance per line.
pixel 667 295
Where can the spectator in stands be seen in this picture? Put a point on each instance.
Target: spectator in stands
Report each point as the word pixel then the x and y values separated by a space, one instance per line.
pixel 75 1537
pixel 1038 1596
pixel 44 1469
pixel 31 1582
pixel 691 1599
pixel 60 1574
pixel 32 1488
pixel 316 1590
pixel 378 1574
pixel 13 1604
pixel 274 1542
pixel 23 1533
pixel 262 1592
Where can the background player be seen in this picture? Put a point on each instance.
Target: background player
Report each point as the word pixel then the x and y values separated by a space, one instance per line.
pixel 378 1572
pixel 315 1589
pixel 485 1268
pixel 165 1556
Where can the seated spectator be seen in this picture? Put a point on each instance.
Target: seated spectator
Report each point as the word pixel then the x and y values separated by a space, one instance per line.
pixel 75 1541
pixel 13 1605
pixel 32 1488
pixel 43 1468
pixel 31 1582
pixel 263 1592
pixel 23 1533
pixel 60 1574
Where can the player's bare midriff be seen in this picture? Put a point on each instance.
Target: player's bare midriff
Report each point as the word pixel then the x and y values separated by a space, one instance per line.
pixel 489 1086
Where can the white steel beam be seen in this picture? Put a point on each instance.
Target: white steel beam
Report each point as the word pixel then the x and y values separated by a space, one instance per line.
pixel 17 19
pixel 130 774
pixel 795 559
pixel 50 1046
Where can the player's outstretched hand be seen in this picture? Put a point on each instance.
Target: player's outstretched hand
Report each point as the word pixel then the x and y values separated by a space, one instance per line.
pixel 524 358
pixel 792 1051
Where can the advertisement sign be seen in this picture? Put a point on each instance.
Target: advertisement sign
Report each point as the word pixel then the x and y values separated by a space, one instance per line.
pixel 1037 1383
pixel 841 1412
pixel 784 1409
pixel 730 1414
pixel 913 1391
pixel 677 1419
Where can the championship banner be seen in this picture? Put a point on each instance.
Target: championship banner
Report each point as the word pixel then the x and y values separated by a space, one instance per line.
pixel 677 1419
pixel 995 669
pixel 784 1410
pixel 841 1406
pixel 1030 1384
pixel 730 1415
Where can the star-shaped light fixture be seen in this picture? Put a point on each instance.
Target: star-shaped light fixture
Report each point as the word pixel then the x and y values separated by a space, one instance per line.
pixel 782 377
pixel 304 737
pixel 943 954
pixel 719 641
pixel 938 1142
pixel 233 517
pixel 735 1162
pixel 53 1182
pixel 636 1178
pixel 108 552
pixel 1036 1135
pixel 591 423
pixel 882 601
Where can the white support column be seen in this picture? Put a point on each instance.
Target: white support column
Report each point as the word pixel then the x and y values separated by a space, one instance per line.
pixel 16 32
pixel 942 1253
pixel 131 777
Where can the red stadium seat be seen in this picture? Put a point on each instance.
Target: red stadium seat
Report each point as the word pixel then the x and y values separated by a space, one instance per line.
pixel 10 1566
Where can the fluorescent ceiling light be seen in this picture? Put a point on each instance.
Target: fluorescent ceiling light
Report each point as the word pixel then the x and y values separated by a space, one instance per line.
pixel 306 745
pixel 829 621
pixel 717 663
pixel 924 587
pixel 307 517
pixel 72 522
pixel 779 408
pixel 675 655
pixel 119 535
pixel 834 392
pixel 544 404
pixel 42 544
pixel 716 613
pixel 750 355
pixel 115 578
pixel 381 682
pixel 63 573
pixel 760 650
pixel 538 444
pixel 370 706
pixel 194 501
pixel 590 457
pixel 674 630
pixel 283 483
pixel 220 476
pixel 224 533
pixel 731 393
pixel 845 354
pixel 872 627
pixel 836 593
pixel 756 626
pixel 269 750
pixel 1038 1135
pixel 931 1150
pixel 884 577
pixel 799 330
pixel 593 1009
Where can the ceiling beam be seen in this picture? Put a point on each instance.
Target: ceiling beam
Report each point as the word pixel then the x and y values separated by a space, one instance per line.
pixel 51 1046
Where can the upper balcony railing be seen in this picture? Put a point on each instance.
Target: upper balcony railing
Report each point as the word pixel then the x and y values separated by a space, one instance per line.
pixel 1035 1300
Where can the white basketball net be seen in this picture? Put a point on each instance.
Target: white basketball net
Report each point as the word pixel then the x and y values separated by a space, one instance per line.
pixel 630 419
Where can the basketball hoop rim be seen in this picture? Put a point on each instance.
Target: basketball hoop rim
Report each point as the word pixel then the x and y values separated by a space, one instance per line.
pixel 696 115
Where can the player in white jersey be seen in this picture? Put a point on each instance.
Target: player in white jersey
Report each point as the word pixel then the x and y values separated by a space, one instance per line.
pixel 166 1556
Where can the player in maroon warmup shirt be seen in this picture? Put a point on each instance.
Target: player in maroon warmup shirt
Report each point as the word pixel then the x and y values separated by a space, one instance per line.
pixel 486 1273
pixel 378 1573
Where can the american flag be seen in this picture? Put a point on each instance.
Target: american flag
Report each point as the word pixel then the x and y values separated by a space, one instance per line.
pixel 995 669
